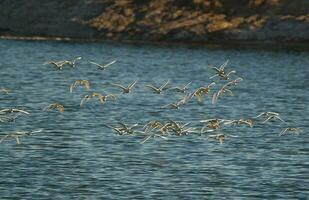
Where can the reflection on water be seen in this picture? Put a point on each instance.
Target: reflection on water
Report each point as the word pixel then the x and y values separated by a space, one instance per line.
pixel 77 157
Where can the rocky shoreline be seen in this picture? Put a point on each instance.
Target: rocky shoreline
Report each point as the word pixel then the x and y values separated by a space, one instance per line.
pixel 281 23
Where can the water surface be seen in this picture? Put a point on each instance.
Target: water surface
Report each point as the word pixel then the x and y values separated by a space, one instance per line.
pixel 76 157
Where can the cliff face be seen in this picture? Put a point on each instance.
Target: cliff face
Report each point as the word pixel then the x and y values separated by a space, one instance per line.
pixel 159 20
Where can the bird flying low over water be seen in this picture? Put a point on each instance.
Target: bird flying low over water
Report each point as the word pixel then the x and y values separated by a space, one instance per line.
pixel 198 93
pixel 248 122
pixel 72 62
pixel 181 89
pixel 221 73
pixel 269 115
pixel 5 91
pixel 84 83
pixel 220 137
pixel 123 128
pixel 59 64
pixel 16 135
pixel 102 98
pixel 179 103
pixel 292 130
pixel 13 110
pixel 103 66
pixel 158 90
pixel 124 89
pixel 54 106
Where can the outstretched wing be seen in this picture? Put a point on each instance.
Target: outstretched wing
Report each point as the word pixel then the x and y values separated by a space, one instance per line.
pixel 118 85
pixel 132 84
pixel 164 85
pixel 152 87
pixel 224 65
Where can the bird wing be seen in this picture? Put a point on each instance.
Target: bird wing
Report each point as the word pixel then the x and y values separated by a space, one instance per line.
pixel 152 87
pixel 215 97
pixel 132 84
pixel 213 76
pixel 224 65
pixel 97 64
pixel 108 64
pixel 164 85
pixel 118 85
pixel 83 100
pixel 233 71
pixel 185 86
pixel 72 87
pixel 113 97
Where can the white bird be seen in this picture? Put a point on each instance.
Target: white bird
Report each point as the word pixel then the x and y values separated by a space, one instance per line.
pixel 103 66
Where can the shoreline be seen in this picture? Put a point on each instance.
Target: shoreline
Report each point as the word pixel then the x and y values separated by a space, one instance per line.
pixel 269 45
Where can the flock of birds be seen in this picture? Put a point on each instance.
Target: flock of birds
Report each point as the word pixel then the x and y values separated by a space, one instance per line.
pixel 154 128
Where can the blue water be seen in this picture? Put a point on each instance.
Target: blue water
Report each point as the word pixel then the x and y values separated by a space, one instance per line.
pixel 76 157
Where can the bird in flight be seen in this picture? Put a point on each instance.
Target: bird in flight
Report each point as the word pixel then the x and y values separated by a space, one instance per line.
pixel 248 122
pixel 84 83
pixel 5 91
pixel 54 106
pixel 198 93
pixel 292 130
pixel 103 66
pixel 158 90
pixel 127 89
pixel 102 98
pixel 13 110
pixel 72 62
pixel 123 128
pixel 59 64
pixel 220 72
pixel 269 115
pixel 179 103
pixel 16 135
pixel 181 89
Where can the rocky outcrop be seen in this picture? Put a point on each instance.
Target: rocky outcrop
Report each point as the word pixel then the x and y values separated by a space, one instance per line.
pixel 269 21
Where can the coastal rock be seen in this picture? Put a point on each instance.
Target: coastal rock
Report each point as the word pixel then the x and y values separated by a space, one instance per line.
pixel 159 20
